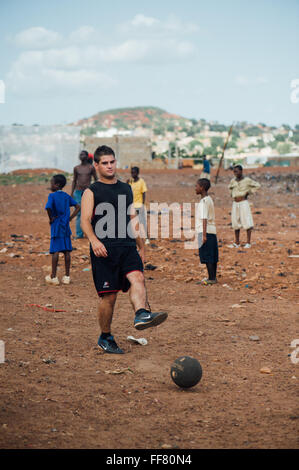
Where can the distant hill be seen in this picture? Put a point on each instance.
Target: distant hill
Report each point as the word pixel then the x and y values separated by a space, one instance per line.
pixel 192 136
pixel 129 118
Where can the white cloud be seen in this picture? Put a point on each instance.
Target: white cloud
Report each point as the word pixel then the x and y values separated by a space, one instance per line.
pixel 75 62
pixel 241 80
pixel 142 24
pixel 37 38
pixel 83 34
pixel 38 72
pixel 248 81
pixel 141 20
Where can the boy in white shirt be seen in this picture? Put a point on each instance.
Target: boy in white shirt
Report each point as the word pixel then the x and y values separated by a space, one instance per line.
pixel 206 229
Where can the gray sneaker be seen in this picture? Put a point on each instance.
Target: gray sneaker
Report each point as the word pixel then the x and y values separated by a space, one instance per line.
pixel 145 319
pixel 109 345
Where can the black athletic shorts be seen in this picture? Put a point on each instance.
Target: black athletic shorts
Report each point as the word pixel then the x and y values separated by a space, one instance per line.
pixel 208 252
pixel 109 274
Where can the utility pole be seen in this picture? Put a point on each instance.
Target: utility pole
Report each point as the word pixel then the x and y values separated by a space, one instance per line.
pixel 223 150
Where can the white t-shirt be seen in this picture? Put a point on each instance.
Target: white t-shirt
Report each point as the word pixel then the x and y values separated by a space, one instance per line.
pixel 205 210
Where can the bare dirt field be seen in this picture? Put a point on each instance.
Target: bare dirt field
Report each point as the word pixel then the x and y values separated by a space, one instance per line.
pixel 58 390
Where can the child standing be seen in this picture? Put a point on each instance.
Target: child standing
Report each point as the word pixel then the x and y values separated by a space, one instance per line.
pixel 240 188
pixel 58 208
pixel 139 189
pixel 206 229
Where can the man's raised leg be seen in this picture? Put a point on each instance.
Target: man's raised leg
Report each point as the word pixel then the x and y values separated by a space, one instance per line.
pixel 143 318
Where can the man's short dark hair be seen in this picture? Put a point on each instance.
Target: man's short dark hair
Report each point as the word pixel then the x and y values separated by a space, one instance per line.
pixel 135 168
pixel 238 167
pixel 204 183
pixel 60 180
pixel 102 150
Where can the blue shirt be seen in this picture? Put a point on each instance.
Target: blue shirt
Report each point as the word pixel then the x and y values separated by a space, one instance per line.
pixel 206 166
pixel 60 202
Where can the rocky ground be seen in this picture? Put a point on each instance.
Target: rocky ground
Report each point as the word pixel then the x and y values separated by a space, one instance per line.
pixel 58 390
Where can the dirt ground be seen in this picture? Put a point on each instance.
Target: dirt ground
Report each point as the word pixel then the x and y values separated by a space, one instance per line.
pixel 58 390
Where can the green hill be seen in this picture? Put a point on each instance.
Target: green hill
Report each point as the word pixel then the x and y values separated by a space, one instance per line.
pixel 129 118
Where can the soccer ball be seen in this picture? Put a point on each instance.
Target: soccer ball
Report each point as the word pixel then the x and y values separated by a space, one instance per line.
pixel 186 371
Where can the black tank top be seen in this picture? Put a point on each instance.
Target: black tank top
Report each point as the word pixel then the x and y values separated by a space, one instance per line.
pixel 111 218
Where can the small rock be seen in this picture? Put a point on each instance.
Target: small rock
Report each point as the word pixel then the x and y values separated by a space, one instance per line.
pixel 150 267
pixel 265 370
pixel 49 361
pixel 254 338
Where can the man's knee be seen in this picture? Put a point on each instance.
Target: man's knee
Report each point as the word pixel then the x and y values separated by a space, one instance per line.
pixel 108 298
pixel 136 277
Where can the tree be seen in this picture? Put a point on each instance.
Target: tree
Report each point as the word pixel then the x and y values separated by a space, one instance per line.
pixel 170 127
pixel 191 132
pixel 217 142
pixel 280 137
pixel 295 138
pixel 261 144
pixel 253 131
pixel 283 148
pixel 193 144
pixel 231 144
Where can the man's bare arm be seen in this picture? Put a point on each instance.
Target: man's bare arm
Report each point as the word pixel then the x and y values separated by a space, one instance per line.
pixel 74 182
pixel 87 204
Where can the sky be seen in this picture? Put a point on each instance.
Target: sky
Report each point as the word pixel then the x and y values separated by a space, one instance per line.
pixel 225 61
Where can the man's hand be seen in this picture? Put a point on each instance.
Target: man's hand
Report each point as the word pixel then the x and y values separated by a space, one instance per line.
pixel 99 249
pixel 204 238
pixel 52 220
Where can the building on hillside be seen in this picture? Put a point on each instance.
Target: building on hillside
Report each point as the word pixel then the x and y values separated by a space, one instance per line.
pixel 289 159
pixel 129 151
pixel 112 132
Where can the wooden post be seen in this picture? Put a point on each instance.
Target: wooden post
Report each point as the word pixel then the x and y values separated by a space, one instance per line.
pixel 223 150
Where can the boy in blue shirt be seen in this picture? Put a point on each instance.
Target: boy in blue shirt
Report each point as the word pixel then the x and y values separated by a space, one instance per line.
pixel 58 208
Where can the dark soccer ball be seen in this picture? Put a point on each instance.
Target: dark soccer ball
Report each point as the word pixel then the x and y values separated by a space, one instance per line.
pixel 186 371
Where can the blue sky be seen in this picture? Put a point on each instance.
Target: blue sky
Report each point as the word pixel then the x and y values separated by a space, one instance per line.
pixel 62 60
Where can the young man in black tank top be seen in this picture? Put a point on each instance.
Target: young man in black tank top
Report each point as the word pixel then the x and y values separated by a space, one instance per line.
pixel 107 219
